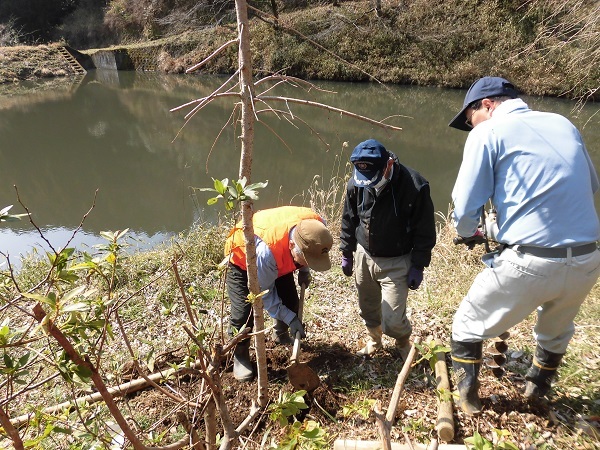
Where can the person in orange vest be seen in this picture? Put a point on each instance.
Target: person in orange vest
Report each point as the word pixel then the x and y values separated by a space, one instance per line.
pixel 287 239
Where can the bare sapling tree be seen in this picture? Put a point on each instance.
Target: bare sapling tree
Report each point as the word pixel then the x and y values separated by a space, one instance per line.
pixel 246 101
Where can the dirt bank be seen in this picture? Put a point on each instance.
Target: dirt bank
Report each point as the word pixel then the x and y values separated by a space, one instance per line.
pixel 30 63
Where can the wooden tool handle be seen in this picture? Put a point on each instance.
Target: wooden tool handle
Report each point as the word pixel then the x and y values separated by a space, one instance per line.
pixel 301 302
pixel 296 349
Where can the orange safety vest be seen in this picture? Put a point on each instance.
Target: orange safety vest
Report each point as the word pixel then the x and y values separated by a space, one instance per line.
pixel 273 227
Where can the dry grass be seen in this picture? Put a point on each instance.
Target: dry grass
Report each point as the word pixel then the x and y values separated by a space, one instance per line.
pixel 153 316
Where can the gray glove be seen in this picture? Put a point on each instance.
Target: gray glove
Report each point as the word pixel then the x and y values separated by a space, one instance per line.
pixel 304 278
pixel 296 327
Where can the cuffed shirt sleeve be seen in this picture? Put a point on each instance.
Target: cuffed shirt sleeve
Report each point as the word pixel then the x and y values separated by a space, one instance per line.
pixel 267 274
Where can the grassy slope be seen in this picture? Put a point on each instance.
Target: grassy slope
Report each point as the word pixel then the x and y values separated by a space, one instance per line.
pixel 428 42
pixel 153 316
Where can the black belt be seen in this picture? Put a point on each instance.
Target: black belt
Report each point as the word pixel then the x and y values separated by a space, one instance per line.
pixel 555 252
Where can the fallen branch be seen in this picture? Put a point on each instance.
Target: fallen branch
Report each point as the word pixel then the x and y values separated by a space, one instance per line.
pixel 120 390
pixel 402 376
pixel 384 424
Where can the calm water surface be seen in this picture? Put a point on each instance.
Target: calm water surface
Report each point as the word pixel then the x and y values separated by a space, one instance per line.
pixel 114 134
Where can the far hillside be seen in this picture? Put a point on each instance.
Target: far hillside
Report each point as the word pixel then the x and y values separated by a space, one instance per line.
pixel 547 47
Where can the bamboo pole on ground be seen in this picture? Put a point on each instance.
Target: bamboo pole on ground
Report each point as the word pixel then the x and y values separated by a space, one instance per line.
pixel 445 420
pixel 348 444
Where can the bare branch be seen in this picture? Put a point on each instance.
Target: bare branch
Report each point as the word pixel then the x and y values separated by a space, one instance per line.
pixel 9 429
pixel 150 381
pixel 32 222
pixel 276 135
pixel 203 100
pixel 330 108
pixel 199 107
pixel 286 78
pixel 212 55
pixel 219 134
pixel 82 220
pixel 55 332
pixel 29 387
pixel 285 113
pixel 186 302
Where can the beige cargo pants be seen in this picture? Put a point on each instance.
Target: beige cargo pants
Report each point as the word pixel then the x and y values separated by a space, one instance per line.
pixel 381 283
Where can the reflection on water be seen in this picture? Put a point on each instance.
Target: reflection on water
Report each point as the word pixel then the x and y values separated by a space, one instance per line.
pixel 113 133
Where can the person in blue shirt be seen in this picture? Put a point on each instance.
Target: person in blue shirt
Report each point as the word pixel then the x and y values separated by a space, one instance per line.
pixel 534 168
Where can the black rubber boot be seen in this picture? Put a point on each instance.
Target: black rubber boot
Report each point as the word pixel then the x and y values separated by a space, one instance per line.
pixel 282 333
pixel 242 366
pixel 466 360
pixel 540 374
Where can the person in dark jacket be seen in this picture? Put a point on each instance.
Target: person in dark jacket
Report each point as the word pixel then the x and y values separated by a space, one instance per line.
pixel 387 234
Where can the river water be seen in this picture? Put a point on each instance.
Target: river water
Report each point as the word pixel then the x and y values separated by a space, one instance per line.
pixel 110 143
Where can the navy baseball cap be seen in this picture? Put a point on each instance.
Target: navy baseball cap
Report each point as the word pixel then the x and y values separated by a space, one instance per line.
pixel 369 158
pixel 485 87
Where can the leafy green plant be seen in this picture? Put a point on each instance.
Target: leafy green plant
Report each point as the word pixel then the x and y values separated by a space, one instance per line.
pixel 168 305
pixel 429 352
pixel 478 442
pixel 107 263
pixel 232 192
pixel 362 408
pixel 5 217
pixel 307 435
pixel 14 368
pixel 287 405
pixel 417 428
pixel 297 435
pixel 445 395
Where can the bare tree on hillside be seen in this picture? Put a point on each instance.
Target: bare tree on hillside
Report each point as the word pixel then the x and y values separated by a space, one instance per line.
pixel 575 37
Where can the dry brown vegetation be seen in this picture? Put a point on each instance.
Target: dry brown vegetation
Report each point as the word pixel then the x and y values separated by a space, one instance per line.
pixel 547 47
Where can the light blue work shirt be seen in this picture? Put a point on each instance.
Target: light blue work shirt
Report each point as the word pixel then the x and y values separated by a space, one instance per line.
pixel 267 274
pixel 536 170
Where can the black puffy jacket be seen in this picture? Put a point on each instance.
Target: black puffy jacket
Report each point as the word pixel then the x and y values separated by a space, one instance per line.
pixel 399 220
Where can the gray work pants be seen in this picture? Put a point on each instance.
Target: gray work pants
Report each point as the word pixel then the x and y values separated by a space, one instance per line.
pixel 382 288
pixel 518 284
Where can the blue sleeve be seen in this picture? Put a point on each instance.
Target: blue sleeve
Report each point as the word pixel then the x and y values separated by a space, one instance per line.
pixel 475 182
pixel 267 274
pixel 593 173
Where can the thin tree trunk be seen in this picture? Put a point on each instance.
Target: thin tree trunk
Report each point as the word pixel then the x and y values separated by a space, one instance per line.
pixel 210 421
pixel 10 430
pixel 40 315
pixel 247 138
